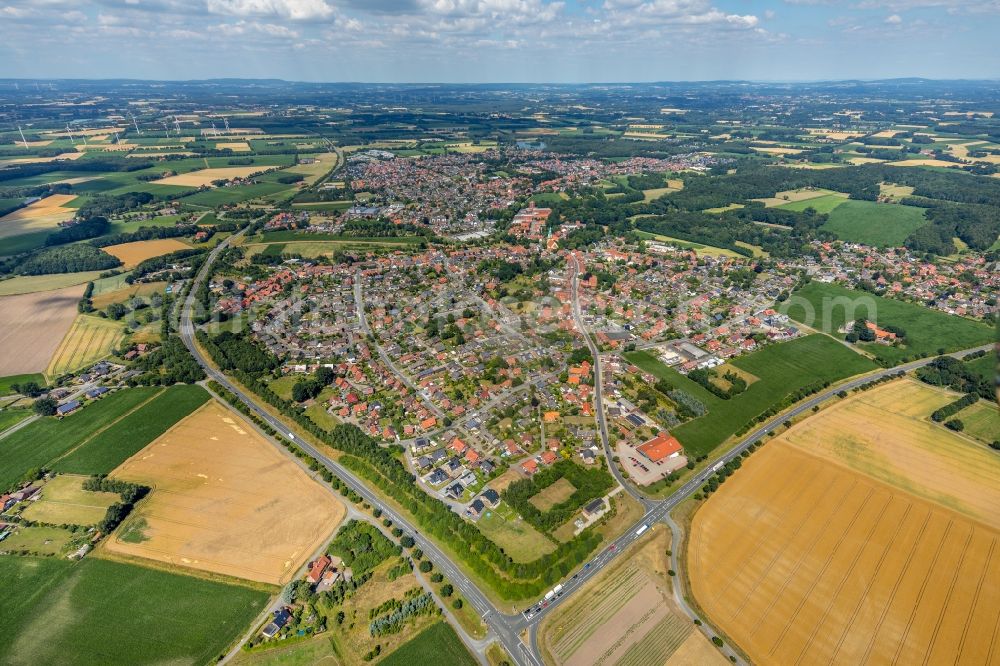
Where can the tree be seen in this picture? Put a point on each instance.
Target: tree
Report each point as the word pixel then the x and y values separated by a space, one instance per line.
pixel 457 604
pixel 447 590
pixel 426 566
pixel 46 406
pixel 406 541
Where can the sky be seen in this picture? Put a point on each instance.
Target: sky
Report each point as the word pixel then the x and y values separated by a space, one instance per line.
pixel 500 40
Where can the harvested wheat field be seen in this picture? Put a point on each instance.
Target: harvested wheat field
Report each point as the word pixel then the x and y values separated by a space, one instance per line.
pixel 34 325
pixel 885 433
pixel 133 253
pixel 208 176
pixel 88 340
pixel 803 561
pixel 39 216
pixel 235 146
pixel 224 500
pixel 626 615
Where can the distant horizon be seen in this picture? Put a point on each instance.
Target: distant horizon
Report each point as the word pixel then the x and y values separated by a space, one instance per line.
pixel 465 41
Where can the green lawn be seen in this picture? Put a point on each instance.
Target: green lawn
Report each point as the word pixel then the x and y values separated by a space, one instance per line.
pixel 927 331
pixel 781 369
pixel 128 436
pixel 98 612
pixel 981 420
pixel 38 443
pixel 9 417
pixel 881 225
pixel 6 382
pixel 437 644
pixel 230 195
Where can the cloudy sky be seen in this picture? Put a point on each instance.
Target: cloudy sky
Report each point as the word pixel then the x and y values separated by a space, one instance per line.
pixel 500 40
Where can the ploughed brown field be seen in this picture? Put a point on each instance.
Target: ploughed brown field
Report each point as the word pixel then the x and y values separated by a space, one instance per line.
pixel 224 500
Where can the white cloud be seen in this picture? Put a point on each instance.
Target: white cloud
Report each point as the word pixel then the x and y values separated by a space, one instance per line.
pixel 295 10
pixel 894 19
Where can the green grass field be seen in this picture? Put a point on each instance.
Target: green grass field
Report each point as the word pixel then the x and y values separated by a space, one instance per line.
pixel 982 421
pixel 927 331
pixel 823 204
pixel 881 225
pixel 38 443
pixel 518 539
pixel 437 644
pixel 101 612
pixel 10 417
pixel 6 382
pixel 985 366
pixel 128 436
pixel 781 369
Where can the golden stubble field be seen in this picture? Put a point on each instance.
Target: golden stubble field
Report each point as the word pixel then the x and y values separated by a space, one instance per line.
pixel 224 500
pixel 207 176
pixel 34 325
pixel 626 615
pixel 136 251
pixel 801 559
pixel 39 216
pixel 89 339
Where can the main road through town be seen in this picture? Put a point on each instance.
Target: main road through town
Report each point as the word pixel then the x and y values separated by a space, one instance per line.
pixel 507 628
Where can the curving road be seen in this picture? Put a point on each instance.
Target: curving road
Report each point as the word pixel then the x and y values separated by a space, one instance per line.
pixel 602 425
pixel 507 628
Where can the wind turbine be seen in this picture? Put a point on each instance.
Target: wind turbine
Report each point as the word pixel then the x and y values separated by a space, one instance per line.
pixel 137 130
pixel 70 132
pixel 226 121
pixel 177 125
pixel 22 137
pixel 215 132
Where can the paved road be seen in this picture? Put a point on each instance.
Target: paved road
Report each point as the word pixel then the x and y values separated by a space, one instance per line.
pixel 602 424
pixel 507 628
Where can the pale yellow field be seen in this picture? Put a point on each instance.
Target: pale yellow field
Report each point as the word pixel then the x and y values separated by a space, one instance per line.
pixel 102 301
pixel 88 340
pixel 865 160
pixel 884 433
pixel 225 500
pixel 626 615
pixel 776 150
pixel 41 215
pixel 927 162
pixel 34 325
pixel 801 194
pixel 137 251
pixel 206 176
pixel 27 284
pixel 41 160
pixel 324 163
pixel 895 191
pixel 819 550
pixel 235 146
pixel 65 501
pixel 834 135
